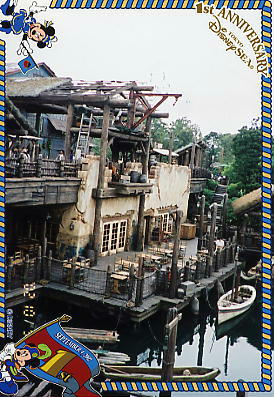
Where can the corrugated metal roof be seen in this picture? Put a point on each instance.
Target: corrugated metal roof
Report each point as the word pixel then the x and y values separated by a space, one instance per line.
pixel 32 87
pixel 164 152
pixel 59 125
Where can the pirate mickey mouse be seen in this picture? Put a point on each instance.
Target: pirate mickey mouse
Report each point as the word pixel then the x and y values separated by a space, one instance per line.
pixel 23 22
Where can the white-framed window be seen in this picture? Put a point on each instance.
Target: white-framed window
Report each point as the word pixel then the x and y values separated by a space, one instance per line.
pixel 114 235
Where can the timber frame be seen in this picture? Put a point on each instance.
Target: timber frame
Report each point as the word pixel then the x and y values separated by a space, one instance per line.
pixel 126 102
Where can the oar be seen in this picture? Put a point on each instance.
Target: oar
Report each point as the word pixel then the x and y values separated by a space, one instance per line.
pixel 113 369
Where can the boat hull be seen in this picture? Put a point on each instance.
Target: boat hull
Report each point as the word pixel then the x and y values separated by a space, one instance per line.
pixel 232 310
pixel 154 374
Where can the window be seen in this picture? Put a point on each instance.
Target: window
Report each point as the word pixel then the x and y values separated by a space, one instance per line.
pixel 106 237
pixel 122 236
pixel 114 236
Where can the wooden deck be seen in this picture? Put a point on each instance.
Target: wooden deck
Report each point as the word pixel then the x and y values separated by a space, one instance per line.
pixel 112 306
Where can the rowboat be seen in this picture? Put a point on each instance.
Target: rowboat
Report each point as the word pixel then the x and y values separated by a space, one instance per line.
pixel 186 374
pixel 229 308
pixel 92 335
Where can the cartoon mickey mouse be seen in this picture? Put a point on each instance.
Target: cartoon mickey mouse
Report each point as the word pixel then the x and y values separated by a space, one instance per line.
pixel 12 360
pixel 24 22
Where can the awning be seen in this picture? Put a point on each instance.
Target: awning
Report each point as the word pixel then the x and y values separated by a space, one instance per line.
pixel 164 152
pixel 59 125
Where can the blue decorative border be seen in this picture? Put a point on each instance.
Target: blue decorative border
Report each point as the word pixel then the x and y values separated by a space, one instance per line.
pixel 2 188
pixel 265 7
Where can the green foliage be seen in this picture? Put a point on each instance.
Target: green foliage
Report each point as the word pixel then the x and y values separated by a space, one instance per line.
pixel 209 191
pixel 245 170
pixel 182 130
pixel 219 148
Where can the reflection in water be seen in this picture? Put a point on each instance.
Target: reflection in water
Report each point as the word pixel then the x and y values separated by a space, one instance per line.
pixel 198 341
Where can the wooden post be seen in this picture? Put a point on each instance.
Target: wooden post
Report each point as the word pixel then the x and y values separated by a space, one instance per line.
pixel 139 287
pixel 100 184
pixel 39 167
pixel 49 265
pixel 141 211
pixel 218 260
pixel 171 139
pixel 201 222
pixel 38 264
pixel 237 284
pixel 9 274
pixel 62 168
pixel 198 270
pixel 21 167
pixel 38 123
pixel 212 237
pixel 191 164
pixel 131 282
pixel 187 272
pixel 26 269
pixel 44 253
pixel 170 338
pixel 224 226
pixel 175 254
pixel 108 281
pixel 72 273
pixel 68 133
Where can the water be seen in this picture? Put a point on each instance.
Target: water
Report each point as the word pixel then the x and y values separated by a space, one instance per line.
pixel 235 351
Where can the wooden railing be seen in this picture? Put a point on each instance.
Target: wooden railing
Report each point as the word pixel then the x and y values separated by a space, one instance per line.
pixel 198 172
pixel 18 168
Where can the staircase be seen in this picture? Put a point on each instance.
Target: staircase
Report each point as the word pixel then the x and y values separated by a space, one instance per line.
pixel 218 198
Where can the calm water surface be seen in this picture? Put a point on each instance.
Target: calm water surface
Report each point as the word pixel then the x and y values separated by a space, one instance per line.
pixel 235 350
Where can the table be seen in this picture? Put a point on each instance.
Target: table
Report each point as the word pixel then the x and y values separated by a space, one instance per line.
pixel 119 282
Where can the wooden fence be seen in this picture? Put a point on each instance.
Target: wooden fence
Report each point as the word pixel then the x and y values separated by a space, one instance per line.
pixel 18 168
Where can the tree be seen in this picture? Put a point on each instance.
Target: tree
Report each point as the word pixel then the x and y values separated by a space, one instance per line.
pixel 245 171
pixel 183 131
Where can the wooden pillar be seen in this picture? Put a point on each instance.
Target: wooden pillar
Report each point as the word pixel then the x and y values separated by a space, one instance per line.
pixel 224 226
pixel 170 341
pixel 212 229
pixel 140 279
pixel 108 282
pixel 49 265
pixel 171 139
pixel 9 274
pixel 201 222
pixel 100 184
pixel 68 133
pixel 38 122
pixel 192 158
pixel 175 254
pixel 131 281
pixel 141 211
pixel 186 159
pixel 131 110
pixel 212 237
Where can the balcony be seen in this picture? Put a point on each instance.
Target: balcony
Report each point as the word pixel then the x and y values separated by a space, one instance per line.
pixel 118 189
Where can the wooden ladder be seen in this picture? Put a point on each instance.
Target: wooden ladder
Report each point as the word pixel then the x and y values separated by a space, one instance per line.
pixel 83 137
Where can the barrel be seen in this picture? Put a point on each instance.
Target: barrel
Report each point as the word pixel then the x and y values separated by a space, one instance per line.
pixel 143 178
pixel 134 176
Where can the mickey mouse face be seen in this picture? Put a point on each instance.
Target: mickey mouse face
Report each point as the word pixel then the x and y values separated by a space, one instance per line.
pixel 36 32
pixel 22 356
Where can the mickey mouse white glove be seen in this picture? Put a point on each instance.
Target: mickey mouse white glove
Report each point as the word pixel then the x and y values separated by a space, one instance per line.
pixel 24 48
pixel 35 8
pixel 8 351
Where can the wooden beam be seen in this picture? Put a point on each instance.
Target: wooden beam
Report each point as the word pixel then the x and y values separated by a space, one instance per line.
pixel 100 183
pixel 175 254
pixel 97 133
pixel 68 132
pixel 21 120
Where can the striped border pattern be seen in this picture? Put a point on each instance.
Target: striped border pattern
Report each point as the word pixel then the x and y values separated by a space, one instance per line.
pixel 266 203
pixel 265 6
pixel 154 4
pixel 2 189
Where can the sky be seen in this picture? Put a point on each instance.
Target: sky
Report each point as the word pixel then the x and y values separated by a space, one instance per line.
pixel 174 50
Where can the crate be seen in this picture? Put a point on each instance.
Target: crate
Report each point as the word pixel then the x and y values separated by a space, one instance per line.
pixel 188 231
